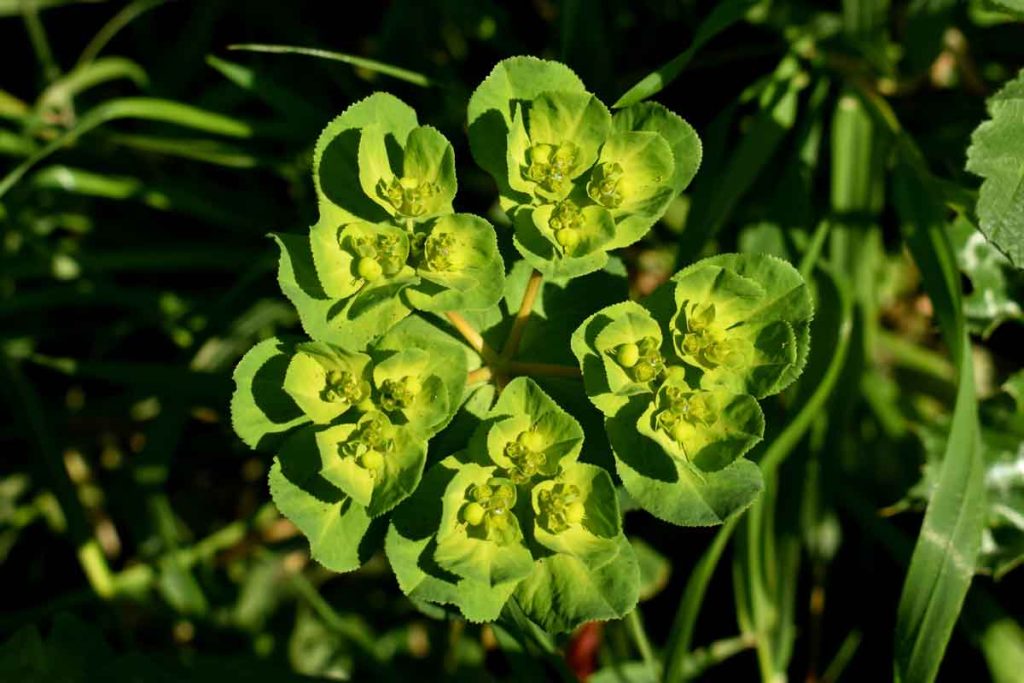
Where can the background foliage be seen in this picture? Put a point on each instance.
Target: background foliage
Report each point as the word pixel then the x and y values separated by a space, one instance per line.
pixel 143 163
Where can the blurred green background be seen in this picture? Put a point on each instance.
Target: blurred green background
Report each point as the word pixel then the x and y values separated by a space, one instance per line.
pixel 142 164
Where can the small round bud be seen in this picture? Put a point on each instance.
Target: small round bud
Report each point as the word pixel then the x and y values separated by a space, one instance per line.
pixel 678 431
pixel 473 514
pixel 369 269
pixel 574 512
pixel 372 460
pixel 627 355
pixel 568 238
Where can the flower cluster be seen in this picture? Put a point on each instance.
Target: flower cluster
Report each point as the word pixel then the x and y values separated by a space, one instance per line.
pixel 388 240
pixel 575 180
pixel 685 370
pixel 519 517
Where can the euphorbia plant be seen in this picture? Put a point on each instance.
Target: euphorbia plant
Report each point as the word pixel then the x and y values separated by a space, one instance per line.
pixel 398 415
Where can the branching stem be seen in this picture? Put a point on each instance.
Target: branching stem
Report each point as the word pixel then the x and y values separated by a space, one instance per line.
pixel 523 316
pixel 472 337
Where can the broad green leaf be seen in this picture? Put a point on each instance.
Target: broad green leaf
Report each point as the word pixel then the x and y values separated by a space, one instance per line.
pixel 488 546
pixel 410 545
pixel 493 103
pixel 680 135
pixel 261 410
pixel 460 267
pixel 562 592
pixel 724 15
pixel 325 381
pixel 327 319
pixel 674 490
pixel 997 287
pixel 708 429
pixel 411 177
pixel 336 171
pixel 376 463
pixel 997 155
pixel 332 522
pixel 586 491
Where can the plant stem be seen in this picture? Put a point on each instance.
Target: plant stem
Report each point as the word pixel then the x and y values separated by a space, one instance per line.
pixel 543 369
pixel 643 644
pixel 472 337
pixel 523 316
pixel 484 374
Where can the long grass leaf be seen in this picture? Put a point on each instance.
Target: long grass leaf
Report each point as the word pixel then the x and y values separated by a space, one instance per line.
pixel 724 15
pixel 143 108
pixel 124 16
pixel 359 62
pixel 280 97
pixel 943 562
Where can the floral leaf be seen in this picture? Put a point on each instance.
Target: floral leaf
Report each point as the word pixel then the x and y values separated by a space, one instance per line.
pixel 373 461
pixel 744 321
pixel 410 176
pixel 261 411
pixel 536 240
pixel 327 319
pixel 358 257
pixel 577 513
pixel 326 381
pixel 681 137
pixel 632 179
pixel 709 429
pixel 460 267
pixel 605 345
pixel 528 434
pixel 553 141
pixel 672 489
pixel 997 155
pixel 446 361
pixel 336 158
pixel 491 107
pixel 479 537
pixel 410 544
pixel 562 592
pixel 332 522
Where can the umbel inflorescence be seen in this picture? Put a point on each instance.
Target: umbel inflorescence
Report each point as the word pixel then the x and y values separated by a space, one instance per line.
pixel 383 422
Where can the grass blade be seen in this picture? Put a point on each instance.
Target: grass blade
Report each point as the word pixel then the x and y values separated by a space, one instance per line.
pixel 359 62
pixel 143 108
pixel 125 16
pixel 943 562
pixel 722 17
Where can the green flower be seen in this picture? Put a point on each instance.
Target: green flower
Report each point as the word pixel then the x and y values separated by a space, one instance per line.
pixel 555 139
pixel 709 429
pixel 375 462
pixel 326 381
pixel 408 392
pixel 745 331
pixel 360 256
pixel 479 536
pixel 412 178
